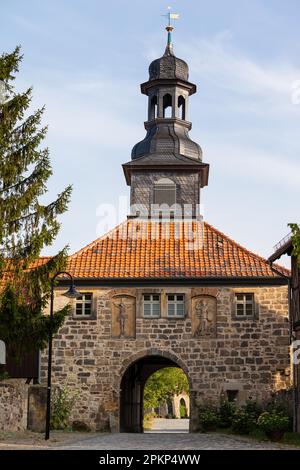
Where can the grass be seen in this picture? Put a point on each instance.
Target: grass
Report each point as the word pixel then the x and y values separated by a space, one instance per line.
pixel 290 438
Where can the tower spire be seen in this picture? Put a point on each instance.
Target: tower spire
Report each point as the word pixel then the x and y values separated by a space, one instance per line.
pixel 169 29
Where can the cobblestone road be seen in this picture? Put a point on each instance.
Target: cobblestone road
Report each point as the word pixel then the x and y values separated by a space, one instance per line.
pixel 171 434
pixel 171 441
pixel 166 435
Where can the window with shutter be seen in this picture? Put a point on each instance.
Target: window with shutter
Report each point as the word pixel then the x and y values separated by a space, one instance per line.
pixel 165 192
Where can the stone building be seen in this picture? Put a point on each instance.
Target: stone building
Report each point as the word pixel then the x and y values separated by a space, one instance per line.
pixel 285 247
pixel 166 290
pixel 177 407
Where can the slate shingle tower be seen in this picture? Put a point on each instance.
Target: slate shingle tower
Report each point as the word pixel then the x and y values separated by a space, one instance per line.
pixel 166 166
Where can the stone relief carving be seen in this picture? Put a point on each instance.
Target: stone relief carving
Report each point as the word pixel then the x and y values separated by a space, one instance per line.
pixel 204 316
pixel 123 317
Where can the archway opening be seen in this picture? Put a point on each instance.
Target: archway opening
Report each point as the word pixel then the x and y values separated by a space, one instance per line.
pixel 153 108
pixel 181 107
pixel 183 409
pixel 140 408
pixel 167 106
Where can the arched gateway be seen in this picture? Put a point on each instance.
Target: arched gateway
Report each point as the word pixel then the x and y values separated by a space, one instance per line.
pixel 133 380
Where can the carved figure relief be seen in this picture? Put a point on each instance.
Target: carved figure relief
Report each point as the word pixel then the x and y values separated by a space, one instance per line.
pixel 204 316
pixel 123 317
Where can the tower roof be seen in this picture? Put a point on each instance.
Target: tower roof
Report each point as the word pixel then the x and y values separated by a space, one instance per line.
pixel 169 67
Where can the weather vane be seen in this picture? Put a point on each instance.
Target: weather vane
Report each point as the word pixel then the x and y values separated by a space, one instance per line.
pixel 169 28
pixel 171 16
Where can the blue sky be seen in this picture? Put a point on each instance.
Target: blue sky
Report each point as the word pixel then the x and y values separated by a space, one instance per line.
pixel 86 59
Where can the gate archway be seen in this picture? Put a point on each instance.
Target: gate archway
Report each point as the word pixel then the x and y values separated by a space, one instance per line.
pixel 132 386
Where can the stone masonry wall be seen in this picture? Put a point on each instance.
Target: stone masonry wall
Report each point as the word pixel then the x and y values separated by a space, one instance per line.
pixel 251 356
pixel 13 405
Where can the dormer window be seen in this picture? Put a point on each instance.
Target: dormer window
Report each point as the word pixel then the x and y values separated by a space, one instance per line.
pixel 165 192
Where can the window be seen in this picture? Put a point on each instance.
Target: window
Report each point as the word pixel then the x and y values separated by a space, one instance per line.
pixel 232 395
pixel 84 305
pixel 176 305
pixel 151 305
pixel 244 305
pixel 165 192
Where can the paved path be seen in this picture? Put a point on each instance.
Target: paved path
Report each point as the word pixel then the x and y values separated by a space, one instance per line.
pixel 171 441
pixel 170 434
pixel 169 425
pixel 167 435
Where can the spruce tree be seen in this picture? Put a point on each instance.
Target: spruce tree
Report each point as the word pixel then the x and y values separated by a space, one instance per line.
pixel 26 225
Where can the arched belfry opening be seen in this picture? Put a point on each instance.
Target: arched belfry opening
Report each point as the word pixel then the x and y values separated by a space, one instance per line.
pixel 132 390
pixel 153 113
pixel 181 107
pixel 167 106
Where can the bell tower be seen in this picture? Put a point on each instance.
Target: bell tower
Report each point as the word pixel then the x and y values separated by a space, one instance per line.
pixel 166 170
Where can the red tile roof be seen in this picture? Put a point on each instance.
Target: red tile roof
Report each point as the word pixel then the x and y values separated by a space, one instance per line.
pixel 176 249
pixel 6 274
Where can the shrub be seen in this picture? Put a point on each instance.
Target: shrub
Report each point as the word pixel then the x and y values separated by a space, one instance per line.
pixel 243 422
pixel 226 413
pixel 3 375
pixel 254 408
pixel 148 418
pixel 272 421
pixel 62 403
pixel 209 419
pixel 282 403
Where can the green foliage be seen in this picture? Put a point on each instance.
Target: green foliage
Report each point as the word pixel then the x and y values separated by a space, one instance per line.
pixel 23 327
pixel 148 419
pixel 3 375
pixel 292 438
pixel 26 225
pixel 226 413
pixel 296 240
pixel 209 418
pixel 62 403
pixel 182 410
pixel 253 408
pixel 282 402
pixel 164 384
pixel 272 421
pixel 243 422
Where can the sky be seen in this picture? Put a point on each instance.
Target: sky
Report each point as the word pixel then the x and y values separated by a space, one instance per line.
pixel 86 59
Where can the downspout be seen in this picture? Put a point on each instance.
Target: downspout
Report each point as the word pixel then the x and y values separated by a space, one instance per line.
pixel 294 373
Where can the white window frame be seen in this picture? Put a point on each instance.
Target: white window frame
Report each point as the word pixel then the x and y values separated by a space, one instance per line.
pixel 244 303
pixel 176 302
pixel 151 302
pixel 83 301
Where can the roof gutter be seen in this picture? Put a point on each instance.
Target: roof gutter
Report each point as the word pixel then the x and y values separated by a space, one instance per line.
pixel 188 282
